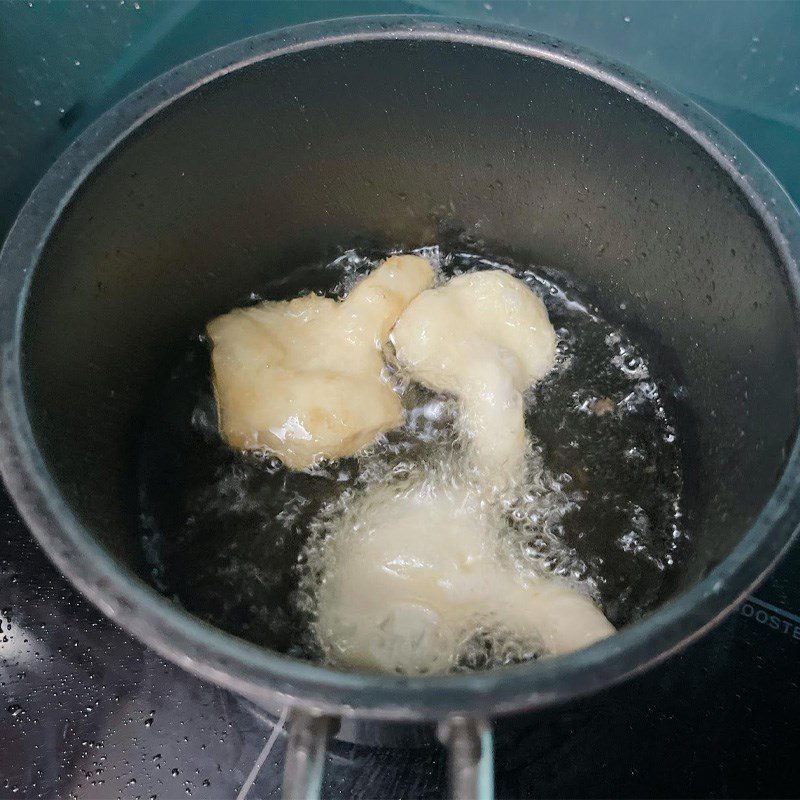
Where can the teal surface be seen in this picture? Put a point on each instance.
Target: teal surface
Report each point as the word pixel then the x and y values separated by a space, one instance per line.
pixel 63 63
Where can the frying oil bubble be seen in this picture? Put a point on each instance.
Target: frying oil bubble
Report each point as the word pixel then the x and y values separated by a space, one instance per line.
pixel 242 542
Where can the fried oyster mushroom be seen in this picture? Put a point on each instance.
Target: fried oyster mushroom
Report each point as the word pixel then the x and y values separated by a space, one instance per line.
pixel 483 337
pixel 304 379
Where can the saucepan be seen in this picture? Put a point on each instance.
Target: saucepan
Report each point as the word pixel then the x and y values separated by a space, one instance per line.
pixel 274 152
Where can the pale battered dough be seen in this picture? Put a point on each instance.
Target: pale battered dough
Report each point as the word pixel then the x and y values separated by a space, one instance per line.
pixel 413 569
pixel 483 337
pixel 303 379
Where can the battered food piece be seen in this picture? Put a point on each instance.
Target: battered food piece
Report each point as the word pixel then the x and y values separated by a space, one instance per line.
pixel 304 379
pixel 483 337
pixel 413 569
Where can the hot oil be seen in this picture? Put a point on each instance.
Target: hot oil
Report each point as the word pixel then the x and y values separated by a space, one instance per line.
pixel 241 541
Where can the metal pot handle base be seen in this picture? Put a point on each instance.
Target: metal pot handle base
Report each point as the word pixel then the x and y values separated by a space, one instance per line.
pixel 470 756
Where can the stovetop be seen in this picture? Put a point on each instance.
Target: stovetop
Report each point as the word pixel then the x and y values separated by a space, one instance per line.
pixel 87 712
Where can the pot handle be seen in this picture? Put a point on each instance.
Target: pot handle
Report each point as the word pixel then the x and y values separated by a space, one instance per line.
pixel 304 762
pixel 470 757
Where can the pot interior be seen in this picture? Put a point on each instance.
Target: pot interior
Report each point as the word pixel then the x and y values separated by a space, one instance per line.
pixel 387 144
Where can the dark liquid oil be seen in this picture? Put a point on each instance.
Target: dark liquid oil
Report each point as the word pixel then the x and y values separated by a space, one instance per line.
pixel 224 532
